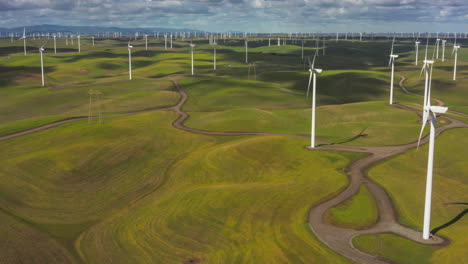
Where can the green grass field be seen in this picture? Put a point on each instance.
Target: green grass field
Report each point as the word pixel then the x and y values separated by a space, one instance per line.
pixel 404 177
pixel 334 123
pixel 358 212
pixel 395 248
pixel 101 188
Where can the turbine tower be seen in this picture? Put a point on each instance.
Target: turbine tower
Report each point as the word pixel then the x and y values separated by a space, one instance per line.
pixel 24 40
pixel 214 55
pixel 443 49
pixel 455 51
pixel 192 45
pixel 313 76
pixel 417 51
pixel 429 113
pixel 146 42
pixel 79 44
pixel 246 51
pixel 55 44
pixel 130 47
pixel 41 50
pixel 392 62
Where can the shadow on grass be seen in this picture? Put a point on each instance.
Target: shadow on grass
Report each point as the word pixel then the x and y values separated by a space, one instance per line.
pixel 451 222
pixel 10 73
pixel 361 134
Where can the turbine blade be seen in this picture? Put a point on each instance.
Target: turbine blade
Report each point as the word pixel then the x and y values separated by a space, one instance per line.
pixel 313 61
pixel 424 121
pixel 391 53
pixel 310 80
pixel 422 69
pixel 427 46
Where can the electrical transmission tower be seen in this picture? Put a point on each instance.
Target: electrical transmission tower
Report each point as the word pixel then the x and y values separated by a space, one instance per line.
pixel 254 70
pixel 94 100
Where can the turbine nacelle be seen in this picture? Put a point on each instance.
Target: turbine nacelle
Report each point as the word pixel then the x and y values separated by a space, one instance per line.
pixel 438 109
pixel 315 70
pixel 393 56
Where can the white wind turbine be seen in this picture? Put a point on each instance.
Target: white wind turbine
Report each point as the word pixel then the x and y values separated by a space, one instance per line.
pixel 130 47
pixel 417 51
pixel 93 41
pixel 192 45
pixel 313 76
pixel 146 42
pixel 24 40
pixel 41 50
pixel 79 44
pixel 455 50
pixel 302 51
pixel 171 41
pixel 429 113
pixel 214 55
pixel 55 44
pixel 392 62
pixel 443 49
pixel 246 51
pixel 437 46
pixel 165 41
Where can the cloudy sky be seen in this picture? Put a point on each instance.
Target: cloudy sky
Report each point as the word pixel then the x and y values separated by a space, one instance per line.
pixel 245 15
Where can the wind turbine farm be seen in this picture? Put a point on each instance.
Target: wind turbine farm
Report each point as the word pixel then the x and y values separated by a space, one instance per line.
pixel 296 141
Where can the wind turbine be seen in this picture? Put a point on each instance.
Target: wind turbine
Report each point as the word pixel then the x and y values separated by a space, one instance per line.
pixel 130 47
pixel 24 40
pixel 246 52
pixel 192 45
pixel 165 41
pixel 437 46
pixel 214 55
pixel 392 62
pixel 313 76
pixel 79 44
pixel 429 113
pixel 323 46
pixel 93 41
pixel 55 44
pixel 417 51
pixel 171 41
pixel 146 42
pixel 443 49
pixel 455 50
pixel 41 50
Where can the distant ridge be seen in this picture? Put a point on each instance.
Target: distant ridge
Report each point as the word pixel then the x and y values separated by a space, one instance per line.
pixel 91 30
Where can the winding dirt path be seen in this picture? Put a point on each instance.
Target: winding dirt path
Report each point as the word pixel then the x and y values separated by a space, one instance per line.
pixel 438 102
pixel 338 239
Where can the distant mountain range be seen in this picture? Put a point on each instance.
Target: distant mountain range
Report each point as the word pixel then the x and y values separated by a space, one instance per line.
pixel 90 30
